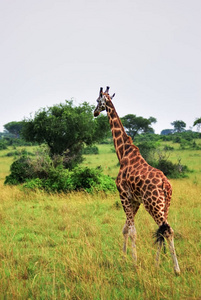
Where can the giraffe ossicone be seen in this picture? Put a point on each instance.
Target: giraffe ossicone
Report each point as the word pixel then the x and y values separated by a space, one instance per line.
pixel 138 183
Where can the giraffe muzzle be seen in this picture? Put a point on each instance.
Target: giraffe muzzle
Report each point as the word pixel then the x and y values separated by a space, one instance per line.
pixel 96 113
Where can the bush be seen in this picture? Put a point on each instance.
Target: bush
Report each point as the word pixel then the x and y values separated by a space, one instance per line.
pixel 19 153
pixel 85 178
pixel 185 144
pixel 92 179
pixel 107 141
pixel 168 148
pixel 170 169
pixel 33 184
pixel 147 149
pixel 13 153
pixel 80 179
pixel 159 159
pixel 3 145
pixel 42 172
pixel 57 181
pixel 90 150
pixel 21 169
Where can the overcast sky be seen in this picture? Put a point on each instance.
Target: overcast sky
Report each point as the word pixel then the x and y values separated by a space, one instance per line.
pixel 147 51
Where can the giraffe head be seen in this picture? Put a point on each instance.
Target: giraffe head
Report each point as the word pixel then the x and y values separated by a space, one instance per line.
pixel 102 99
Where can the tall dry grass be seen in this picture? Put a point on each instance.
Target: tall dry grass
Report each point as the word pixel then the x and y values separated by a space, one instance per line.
pixel 69 246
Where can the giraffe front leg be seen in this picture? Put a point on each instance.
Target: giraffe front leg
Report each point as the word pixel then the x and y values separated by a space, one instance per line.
pixel 130 208
pixel 133 235
pixel 125 234
pixel 130 231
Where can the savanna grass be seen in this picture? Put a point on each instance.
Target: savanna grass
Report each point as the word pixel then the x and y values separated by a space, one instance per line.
pixel 69 246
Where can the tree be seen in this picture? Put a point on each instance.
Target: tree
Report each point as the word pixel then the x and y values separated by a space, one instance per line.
pixel 135 125
pixel 179 126
pixel 65 128
pixel 166 131
pixel 14 127
pixel 198 123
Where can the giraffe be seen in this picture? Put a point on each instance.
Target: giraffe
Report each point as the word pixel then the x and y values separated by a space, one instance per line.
pixel 138 182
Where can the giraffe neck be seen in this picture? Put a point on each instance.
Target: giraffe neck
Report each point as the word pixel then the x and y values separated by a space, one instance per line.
pixel 120 138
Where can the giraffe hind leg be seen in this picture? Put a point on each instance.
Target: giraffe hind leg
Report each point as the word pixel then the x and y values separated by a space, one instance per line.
pixel 160 241
pixel 166 231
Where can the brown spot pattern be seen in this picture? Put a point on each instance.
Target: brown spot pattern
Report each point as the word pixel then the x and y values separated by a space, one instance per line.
pixel 138 182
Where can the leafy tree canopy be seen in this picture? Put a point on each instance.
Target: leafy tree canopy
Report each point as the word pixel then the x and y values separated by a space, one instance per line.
pixel 179 126
pixel 135 125
pixel 65 128
pixel 166 131
pixel 197 121
pixel 14 127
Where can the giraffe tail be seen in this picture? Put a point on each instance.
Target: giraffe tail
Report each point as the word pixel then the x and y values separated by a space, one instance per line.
pixel 159 235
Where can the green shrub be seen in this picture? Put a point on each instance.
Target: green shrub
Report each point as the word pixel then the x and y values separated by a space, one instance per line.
pixel 18 153
pixel 56 182
pixel 170 169
pixel 85 179
pixel 90 150
pixel 168 148
pixel 91 179
pixel 3 145
pixel 21 169
pixel 33 184
pixel 185 144
pixel 106 183
pixel 147 149
pixel 159 159
pixel 106 141
pixel 13 153
pixel 42 172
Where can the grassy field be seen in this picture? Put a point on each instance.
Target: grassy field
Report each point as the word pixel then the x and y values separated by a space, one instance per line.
pixel 70 246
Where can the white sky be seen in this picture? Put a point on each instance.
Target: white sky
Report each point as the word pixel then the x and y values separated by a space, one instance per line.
pixel 147 51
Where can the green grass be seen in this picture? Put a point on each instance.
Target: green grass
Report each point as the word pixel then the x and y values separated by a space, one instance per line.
pixel 69 246
pixel 106 158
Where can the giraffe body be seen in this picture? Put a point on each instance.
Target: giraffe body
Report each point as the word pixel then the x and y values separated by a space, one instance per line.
pixel 138 182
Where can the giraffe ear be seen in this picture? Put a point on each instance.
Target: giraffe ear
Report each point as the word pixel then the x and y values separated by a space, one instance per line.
pixel 101 91
pixel 112 96
pixel 107 89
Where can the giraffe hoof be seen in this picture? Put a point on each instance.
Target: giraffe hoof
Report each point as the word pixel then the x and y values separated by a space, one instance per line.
pixel 124 257
pixel 177 272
